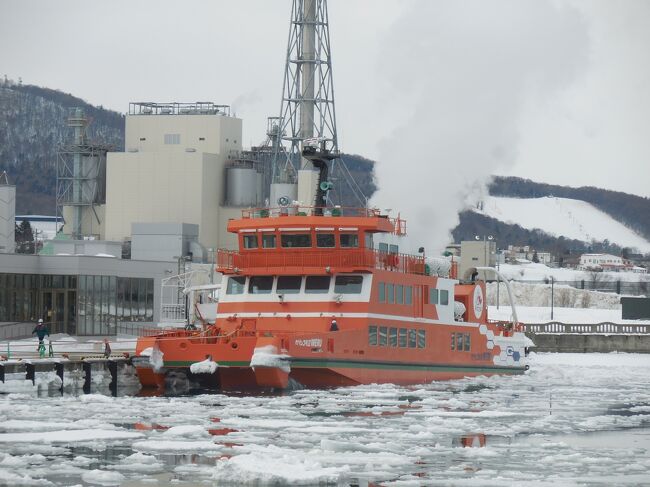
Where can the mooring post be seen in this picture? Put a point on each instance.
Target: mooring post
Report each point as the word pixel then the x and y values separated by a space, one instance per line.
pixel 59 371
pixel 87 366
pixel 30 373
pixel 112 368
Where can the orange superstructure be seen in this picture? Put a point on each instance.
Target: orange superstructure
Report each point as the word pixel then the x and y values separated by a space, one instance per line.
pixel 324 297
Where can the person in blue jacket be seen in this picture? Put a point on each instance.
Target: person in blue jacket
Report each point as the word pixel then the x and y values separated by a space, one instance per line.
pixel 41 331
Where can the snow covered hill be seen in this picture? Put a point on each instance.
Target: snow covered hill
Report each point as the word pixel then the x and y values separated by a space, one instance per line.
pixel 572 219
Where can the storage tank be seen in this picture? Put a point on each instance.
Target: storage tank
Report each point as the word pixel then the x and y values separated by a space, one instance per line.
pixel 241 186
pixel 282 193
pixel 260 188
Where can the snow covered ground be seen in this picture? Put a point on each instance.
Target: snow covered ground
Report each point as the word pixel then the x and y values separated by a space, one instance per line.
pixel 578 419
pixel 573 219
pixel 539 272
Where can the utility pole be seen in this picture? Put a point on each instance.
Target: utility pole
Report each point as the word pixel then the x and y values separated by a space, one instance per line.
pixel 552 297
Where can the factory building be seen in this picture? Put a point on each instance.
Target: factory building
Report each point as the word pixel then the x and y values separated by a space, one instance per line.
pixel 177 164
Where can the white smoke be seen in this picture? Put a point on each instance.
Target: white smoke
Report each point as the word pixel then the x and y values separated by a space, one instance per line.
pixel 459 75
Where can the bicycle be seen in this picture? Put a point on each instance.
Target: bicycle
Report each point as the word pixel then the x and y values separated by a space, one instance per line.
pixel 41 349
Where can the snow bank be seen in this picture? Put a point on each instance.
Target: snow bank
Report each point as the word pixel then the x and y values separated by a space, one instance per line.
pixel 158 445
pixel 563 296
pixel 156 359
pixel 206 366
pixel 268 356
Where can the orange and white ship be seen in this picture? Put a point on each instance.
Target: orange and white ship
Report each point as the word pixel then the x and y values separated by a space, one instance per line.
pixel 321 298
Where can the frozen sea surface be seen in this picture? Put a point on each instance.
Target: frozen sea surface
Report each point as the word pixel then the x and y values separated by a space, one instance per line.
pixel 571 420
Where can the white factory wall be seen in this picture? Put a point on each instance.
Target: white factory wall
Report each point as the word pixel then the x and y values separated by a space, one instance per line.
pixel 89 223
pixel 166 183
pixel 146 133
pixel 7 219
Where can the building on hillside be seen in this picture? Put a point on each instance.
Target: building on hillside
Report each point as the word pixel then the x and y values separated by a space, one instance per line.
pixel 477 253
pixel 181 165
pixel 603 262
pixel 518 254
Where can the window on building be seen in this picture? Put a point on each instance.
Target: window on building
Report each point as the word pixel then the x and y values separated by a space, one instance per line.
pixel 250 241
pixel 408 295
pixel 172 139
pixel 236 285
pixel 260 284
pixel 349 239
pixel 296 240
pixel 390 291
pixel 289 284
pixel 317 284
pixel 399 294
pixel 422 338
pixel 382 292
pixel 348 284
pixel 444 297
pixel 372 335
pixel 392 337
pixel 403 337
pixel 433 296
pixel 383 336
pixel 413 338
pixel 325 240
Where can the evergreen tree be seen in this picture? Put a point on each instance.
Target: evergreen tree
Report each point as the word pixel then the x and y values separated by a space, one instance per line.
pixel 24 238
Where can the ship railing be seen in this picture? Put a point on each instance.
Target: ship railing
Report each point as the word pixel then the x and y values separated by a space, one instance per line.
pixel 399 224
pixel 350 259
pixel 604 328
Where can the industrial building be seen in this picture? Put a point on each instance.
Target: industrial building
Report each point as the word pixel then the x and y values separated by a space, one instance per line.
pixel 174 170
pixel 7 215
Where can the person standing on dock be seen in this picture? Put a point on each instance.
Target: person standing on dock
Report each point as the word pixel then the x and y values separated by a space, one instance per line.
pixel 107 348
pixel 41 331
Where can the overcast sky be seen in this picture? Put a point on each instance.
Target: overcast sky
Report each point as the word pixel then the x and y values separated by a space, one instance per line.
pixel 564 85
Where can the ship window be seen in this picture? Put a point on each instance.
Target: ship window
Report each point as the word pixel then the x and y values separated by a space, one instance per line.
pixel 349 239
pixel 260 284
pixel 393 249
pixel 422 338
pixel 466 345
pixel 372 336
pixel 296 240
pixel 383 247
pixel 459 342
pixel 412 338
pixel 236 285
pixel 433 296
pixel 289 284
pixel 382 292
pixel 383 336
pixel 348 284
pixel 390 290
pixel 325 240
pixel 392 337
pixel 250 241
pixel 268 241
pixel 453 341
pixel 408 295
pixel 444 296
pixel 317 284
pixel 399 294
pixel 402 337
pixel 368 240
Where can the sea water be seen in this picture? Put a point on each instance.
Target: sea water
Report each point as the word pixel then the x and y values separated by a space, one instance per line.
pixel 572 419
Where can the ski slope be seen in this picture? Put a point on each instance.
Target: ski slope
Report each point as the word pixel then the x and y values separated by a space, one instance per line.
pixel 573 219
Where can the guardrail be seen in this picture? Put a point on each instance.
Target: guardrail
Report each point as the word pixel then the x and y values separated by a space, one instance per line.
pixel 606 328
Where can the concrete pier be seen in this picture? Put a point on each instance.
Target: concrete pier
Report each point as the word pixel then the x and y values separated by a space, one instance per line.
pixel 92 369
pixel 585 338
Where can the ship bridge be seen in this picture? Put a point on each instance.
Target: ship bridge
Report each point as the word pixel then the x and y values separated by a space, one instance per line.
pixel 310 240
